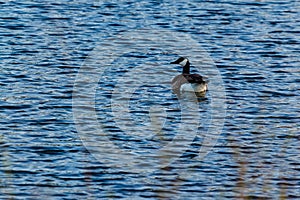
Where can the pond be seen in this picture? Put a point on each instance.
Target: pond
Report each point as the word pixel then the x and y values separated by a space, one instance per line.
pixel 87 109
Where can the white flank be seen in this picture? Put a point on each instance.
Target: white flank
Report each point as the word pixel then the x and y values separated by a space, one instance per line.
pixel 187 87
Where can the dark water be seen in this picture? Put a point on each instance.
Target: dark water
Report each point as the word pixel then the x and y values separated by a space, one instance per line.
pixel 248 50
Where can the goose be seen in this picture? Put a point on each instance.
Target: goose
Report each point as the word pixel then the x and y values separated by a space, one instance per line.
pixel 187 82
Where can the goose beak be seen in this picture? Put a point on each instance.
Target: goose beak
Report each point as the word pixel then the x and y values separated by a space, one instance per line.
pixel 173 62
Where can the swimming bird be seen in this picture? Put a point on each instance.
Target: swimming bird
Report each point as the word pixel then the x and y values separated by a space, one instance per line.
pixel 187 82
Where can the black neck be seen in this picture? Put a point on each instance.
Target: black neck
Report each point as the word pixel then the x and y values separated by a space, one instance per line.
pixel 186 68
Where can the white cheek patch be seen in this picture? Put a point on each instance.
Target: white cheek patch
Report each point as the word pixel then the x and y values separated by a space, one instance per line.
pixel 182 63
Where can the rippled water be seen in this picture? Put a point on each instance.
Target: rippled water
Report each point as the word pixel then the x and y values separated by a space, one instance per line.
pixel 248 50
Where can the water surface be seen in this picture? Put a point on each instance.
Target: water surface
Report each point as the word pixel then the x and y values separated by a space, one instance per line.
pixel 254 45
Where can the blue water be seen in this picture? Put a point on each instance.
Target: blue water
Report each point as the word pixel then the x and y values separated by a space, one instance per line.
pixel 67 65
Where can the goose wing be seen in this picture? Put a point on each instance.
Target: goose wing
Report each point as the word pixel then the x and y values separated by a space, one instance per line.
pixel 194 78
pixel 186 78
